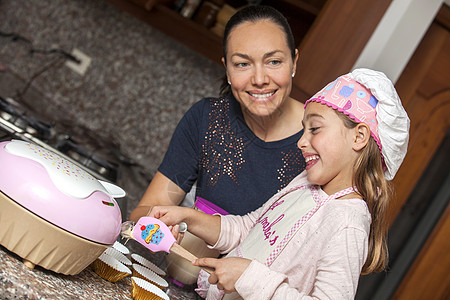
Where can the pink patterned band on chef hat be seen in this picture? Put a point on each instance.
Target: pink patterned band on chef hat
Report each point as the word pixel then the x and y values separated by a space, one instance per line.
pixel 368 96
pixel 353 99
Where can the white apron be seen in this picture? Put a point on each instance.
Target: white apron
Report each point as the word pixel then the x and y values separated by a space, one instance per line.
pixel 274 229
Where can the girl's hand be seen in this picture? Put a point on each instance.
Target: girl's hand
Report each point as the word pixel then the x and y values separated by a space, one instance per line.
pixel 171 216
pixel 175 230
pixel 202 225
pixel 227 271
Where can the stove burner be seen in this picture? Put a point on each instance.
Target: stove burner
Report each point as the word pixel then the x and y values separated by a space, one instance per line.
pixel 15 123
pixel 11 111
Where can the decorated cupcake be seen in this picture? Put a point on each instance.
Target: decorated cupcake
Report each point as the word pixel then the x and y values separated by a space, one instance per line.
pixel 147 274
pixel 144 290
pixel 148 264
pixel 109 268
pixel 119 256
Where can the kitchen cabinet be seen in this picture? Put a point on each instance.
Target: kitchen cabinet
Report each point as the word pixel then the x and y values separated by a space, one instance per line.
pixel 424 88
pixel 330 34
pixel 161 15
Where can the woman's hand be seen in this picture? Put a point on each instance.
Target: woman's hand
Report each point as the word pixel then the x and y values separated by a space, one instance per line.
pixel 227 271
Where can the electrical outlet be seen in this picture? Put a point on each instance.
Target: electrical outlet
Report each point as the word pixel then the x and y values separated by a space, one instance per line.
pixel 81 67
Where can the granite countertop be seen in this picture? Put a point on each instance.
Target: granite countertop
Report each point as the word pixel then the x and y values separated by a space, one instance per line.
pixel 19 282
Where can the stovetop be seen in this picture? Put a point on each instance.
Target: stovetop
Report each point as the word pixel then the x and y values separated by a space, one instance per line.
pixel 98 155
pixel 18 123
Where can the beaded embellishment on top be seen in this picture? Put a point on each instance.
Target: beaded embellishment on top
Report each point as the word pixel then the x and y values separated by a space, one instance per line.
pixel 222 150
pixel 293 164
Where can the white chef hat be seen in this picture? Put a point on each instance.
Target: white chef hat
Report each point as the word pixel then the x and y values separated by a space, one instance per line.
pixel 368 96
pixel 393 121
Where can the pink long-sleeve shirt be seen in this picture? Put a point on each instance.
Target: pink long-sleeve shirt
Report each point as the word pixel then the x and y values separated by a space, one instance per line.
pixel 320 258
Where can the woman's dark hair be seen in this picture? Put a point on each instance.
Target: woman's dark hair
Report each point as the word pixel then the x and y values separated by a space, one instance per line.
pixel 254 13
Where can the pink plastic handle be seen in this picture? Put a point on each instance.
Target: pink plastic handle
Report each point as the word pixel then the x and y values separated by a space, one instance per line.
pixel 153 234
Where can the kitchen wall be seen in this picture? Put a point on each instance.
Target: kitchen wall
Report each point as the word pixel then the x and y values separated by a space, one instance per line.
pixel 139 84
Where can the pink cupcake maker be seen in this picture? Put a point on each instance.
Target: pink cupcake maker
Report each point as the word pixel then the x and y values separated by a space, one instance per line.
pixel 41 188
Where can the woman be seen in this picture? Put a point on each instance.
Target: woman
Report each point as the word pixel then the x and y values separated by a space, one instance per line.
pixel 240 148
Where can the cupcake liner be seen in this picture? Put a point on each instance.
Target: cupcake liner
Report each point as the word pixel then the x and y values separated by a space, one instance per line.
pixel 147 274
pixel 119 256
pixel 146 263
pixel 121 248
pixel 144 290
pixel 109 268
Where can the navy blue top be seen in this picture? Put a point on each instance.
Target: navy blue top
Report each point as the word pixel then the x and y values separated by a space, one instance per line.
pixel 233 168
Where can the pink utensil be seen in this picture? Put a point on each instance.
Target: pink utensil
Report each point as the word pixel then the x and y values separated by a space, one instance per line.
pixel 155 236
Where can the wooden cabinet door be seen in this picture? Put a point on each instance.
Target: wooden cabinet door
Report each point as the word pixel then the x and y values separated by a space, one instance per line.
pixel 334 43
pixel 424 88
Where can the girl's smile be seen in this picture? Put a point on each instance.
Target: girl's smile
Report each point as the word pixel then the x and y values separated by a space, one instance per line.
pixel 310 160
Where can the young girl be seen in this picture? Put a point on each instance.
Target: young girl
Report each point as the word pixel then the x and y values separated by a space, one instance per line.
pixel 315 237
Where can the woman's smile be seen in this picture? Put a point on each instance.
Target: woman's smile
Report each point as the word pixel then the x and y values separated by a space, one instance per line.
pixel 262 96
pixel 259 69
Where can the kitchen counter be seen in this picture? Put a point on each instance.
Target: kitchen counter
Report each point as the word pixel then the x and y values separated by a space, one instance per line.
pixel 19 282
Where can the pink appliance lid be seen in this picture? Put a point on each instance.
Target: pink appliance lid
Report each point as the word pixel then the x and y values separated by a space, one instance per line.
pixel 59 191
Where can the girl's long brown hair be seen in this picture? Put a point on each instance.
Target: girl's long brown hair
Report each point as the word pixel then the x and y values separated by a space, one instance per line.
pixel 373 187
